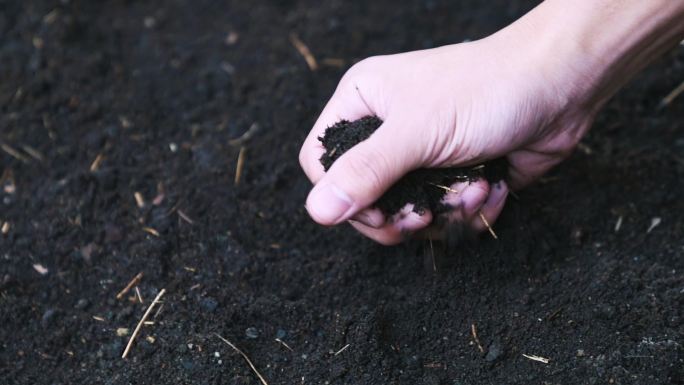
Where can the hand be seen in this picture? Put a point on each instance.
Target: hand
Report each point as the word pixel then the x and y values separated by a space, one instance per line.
pixel 528 92
pixel 451 106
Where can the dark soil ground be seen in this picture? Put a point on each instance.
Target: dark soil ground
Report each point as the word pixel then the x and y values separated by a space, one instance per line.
pixel 149 94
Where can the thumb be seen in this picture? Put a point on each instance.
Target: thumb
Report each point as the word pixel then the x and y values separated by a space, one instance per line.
pixel 360 176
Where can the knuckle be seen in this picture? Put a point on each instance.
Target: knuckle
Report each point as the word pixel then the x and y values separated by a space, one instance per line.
pixel 361 70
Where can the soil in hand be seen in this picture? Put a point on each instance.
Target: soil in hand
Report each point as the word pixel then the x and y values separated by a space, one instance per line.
pixel 424 188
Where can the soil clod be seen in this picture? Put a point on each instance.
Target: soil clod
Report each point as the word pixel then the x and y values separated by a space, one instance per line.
pixel 424 188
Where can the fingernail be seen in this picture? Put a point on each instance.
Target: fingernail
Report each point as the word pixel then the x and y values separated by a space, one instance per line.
pixel 496 195
pixel 327 204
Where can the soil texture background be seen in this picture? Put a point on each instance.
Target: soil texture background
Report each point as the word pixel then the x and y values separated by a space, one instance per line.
pixel 118 122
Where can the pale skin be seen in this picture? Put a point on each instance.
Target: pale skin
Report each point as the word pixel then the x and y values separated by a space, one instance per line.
pixel 528 92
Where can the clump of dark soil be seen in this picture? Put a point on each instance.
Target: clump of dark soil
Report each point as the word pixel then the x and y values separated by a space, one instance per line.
pixel 424 188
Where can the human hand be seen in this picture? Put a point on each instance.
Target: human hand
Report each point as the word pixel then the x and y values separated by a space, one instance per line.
pixel 528 92
pixel 451 106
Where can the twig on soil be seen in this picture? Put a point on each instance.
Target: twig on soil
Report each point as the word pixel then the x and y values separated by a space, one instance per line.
pixel 158 311
pixel 249 362
pixel 184 217
pixel 655 222
pixel 42 270
pixel 98 318
pixel 150 230
pixel 449 189
pixel 130 285
pixel 433 365
pixel 672 95
pixel 473 331
pixel 240 165
pixel 35 154
pixel 14 153
pixel 137 294
pixel 341 350
pixel 432 254
pixel 333 62
pixel 246 136
pixel 278 340
pixel 618 224
pixel 486 223
pixel 554 314
pixel 7 181
pixel 139 200
pixel 140 323
pixel 304 51
pixel 537 358
pixel 96 163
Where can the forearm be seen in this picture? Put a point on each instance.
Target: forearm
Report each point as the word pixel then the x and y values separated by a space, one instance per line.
pixel 596 46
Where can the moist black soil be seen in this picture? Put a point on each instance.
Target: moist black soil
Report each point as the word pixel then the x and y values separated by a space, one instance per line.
pixel 422 188
pixel 103 100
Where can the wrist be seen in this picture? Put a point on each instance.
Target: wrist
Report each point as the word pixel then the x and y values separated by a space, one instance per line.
pixel 588 49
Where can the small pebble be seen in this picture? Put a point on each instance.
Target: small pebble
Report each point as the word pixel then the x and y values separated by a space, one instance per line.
pixel 494 352
pixel 150 22
pixel 187 364
pixel 48 317
pixel 81 304
pixel 580 353
pixel 280 334
pixel 252 333
pixel 209 304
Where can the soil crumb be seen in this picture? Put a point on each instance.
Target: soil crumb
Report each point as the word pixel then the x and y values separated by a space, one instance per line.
pixel 425 188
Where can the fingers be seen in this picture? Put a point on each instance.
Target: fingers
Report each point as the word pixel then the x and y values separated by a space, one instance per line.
pixel 361 175
pixel 387 236
pixel 467 200
pixel 403 225
pixel 492 207
pixel 408 221
pixel 526 167
pixel 471 201
pixel 371 217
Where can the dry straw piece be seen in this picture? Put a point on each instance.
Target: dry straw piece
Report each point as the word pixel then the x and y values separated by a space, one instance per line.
pixel 304 51
pixel 486 223
pixel 240 165
pixel 142 321
pixel 249 362
pixel 130 285
pixel 537 358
